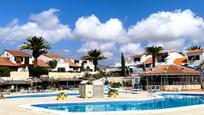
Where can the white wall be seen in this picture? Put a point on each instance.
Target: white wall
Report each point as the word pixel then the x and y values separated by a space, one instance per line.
pixel 9 56
pixel 89 63
pixel 172 56
pixel 196 62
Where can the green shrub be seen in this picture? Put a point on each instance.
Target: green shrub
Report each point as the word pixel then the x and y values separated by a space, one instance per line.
pixel 116 84
pixel 112 91
pixel 52 64
pixel 127 84
pixel 5 71
pixel 38 71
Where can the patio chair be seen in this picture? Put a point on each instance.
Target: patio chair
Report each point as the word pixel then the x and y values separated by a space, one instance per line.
pixel 136 89
pixel 157 88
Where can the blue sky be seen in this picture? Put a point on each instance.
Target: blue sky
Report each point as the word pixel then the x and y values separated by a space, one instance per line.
pixel 16 17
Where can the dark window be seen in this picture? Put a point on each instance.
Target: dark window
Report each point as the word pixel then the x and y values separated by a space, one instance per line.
pixel 196 57
pixel 18 59
pixel 84 61
pixel 27 60
pixel 161 58
pixel 136 59
pixel 61 69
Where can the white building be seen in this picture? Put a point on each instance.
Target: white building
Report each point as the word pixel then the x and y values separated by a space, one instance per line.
pixel 86 63
pixel 66 64
pixel 19 58
pixel 195 57
pixel 61 65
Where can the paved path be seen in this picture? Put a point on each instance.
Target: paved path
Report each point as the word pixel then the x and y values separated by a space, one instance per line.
pixel 11 106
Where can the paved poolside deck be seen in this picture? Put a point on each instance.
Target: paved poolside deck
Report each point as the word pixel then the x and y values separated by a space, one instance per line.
pixel 12 106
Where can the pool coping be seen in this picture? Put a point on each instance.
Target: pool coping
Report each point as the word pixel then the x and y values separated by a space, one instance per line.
pixel 39 109
pixel 31 94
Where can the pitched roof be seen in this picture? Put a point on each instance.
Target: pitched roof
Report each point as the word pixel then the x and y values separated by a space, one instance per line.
pixel 52 56
pixel 195 51
pixel 180 61
pixel 6 62
pixel 41 63
pixel 171 70
pixel 71 64
pixel 147 61
pixel 137 55
pixel 18 53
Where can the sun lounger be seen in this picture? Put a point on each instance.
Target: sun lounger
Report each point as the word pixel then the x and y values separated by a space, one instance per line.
pixel 154 88
pixel 136 89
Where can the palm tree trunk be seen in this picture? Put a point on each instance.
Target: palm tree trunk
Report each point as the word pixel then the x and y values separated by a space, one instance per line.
pixel 95 62
pixel 35 62
pixel 153 59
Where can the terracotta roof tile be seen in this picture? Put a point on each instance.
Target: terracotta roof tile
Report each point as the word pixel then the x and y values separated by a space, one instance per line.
pixel 195 51
pixel 18 53
pixel 137 55
pixel 41 63
pixel 6 62
pixel 180 61
pixel 147 61
pixel 71 64
pixel 52 56
pixel 171 69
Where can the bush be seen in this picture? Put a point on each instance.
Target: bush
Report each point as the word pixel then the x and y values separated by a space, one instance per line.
pixel 127 84
pixel 5 71
pixel 52 64
pixel 38 71
pixel 111 92
pixel 116 85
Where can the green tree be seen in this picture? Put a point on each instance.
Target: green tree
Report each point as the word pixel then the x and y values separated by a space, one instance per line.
pixel 82 67
pixel 52 64
pixel 38 45
pixel 194 47
pixel 37 71
pixel 123 67
pixel 153 50
pixel 5 71
pixel 94 55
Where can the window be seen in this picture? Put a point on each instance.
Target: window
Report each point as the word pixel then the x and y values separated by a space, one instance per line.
pixel 136 59
pixel 196 57
pixel 84 61
pixel 27 60
pixel 161 58
pixel 18 59
pixel 61 69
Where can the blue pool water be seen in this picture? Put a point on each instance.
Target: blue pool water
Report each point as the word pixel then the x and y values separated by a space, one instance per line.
pixel 39 95
pixel 169 101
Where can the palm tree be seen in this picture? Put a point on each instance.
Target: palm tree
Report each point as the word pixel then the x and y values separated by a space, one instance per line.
pixel 153 50
pixel 194 47
pixel 38 45
pixel 94 55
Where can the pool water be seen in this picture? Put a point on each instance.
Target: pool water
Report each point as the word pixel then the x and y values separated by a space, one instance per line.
pixel 168 101
pixel 39 95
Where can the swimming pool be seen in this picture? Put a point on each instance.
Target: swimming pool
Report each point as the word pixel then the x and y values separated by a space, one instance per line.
pixel 168 101
pixel 38 95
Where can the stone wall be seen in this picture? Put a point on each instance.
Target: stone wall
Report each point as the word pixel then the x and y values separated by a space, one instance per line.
pixel 58 75
pixel 19 75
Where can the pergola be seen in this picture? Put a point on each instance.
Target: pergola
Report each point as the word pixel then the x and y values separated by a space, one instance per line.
pixel 170 75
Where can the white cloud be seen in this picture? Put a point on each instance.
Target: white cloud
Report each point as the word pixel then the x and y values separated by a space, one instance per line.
pixel 44 24
pixel 131 49
pixel 168 26
pixel 167 29
pixel 107 48
pixel 170 45
pixel 90 28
